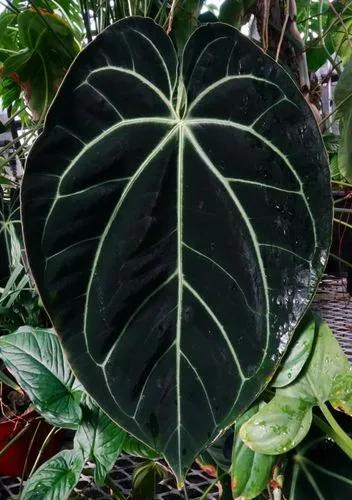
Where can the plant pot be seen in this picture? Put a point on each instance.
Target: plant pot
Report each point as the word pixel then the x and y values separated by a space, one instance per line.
pixel 21 439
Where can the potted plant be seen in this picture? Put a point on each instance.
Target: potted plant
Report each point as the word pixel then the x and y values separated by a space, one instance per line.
pixel 177 230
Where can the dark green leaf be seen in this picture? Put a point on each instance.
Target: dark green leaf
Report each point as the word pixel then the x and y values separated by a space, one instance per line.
pixel 297 354
pixel 136 448
pixel 343 101
pixel 56 478
pixel 185 21
pixel 5 182
pixel 233 11
pixel 100 439
pixel 250 471
pixel 282 424
pixel 321 471
pixel 145 480
pixel 35 359
pixel 196 237
pixel 221 450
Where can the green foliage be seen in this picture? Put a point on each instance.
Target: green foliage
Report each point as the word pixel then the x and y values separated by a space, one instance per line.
pixel 46 48
pixel 282 424
pixel 321 471
pixel 145 480
pixel 99 438
pixel 233 11
pixel 297 353
pixel 250 471
pixel 37 46
pixel 56 478
pixel 35 358
pixel 185 21
pixel 136 448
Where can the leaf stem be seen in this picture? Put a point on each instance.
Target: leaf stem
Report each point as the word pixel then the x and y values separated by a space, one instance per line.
pixel 330 433
pixel 211 486
pixel 9 382
pixel 117 493
pixel 344 440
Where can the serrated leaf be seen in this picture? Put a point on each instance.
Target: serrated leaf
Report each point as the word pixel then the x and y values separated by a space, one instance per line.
pixel 297 354
pixel 56 478
pixel 35 358
pixel 100 439
pixel 282 424
pixel 193 246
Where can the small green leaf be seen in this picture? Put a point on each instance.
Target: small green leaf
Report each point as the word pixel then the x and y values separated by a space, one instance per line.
pixel 297 354
pixel 56 478
pixel 285 420
pixel 136 448
pixel 328 362
pixel 250 471
pixel 185 21
pixel 5 182
pixel 220 451
pixel 341 397
pixel 100 439
pixel 278 426
pixel 233 11
pixel 35 358
pixel 145 480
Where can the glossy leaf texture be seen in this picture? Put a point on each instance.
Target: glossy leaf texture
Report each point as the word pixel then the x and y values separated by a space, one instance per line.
pixel 250 471
pixel 136 448
pixel 99 439
pixel 282 424
pixel 56 478
pixel 297 353
pixel 176 226
pixel 35 358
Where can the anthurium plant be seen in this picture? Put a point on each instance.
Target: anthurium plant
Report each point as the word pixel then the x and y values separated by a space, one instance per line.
pixel 177 219
pixel 135 137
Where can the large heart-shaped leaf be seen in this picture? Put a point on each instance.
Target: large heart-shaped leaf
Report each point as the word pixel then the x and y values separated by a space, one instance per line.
pixel 176 226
